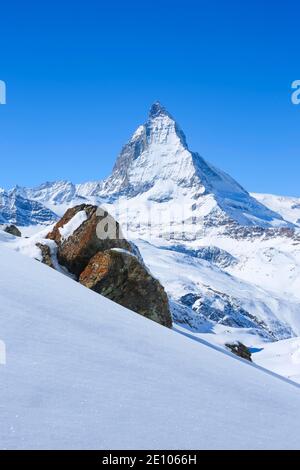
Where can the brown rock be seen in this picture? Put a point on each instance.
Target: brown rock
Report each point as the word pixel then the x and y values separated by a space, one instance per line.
pixel 121 277
pixel 76 252
pixel 110 266
pixel 239 349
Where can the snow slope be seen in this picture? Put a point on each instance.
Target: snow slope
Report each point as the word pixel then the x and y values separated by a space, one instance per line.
pixel 287 207
pixel 83 372
pixel 282 357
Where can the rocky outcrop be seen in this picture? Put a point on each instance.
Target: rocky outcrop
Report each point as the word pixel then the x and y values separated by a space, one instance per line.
pixel 121 277
pixel 12 230
pixel 239 349
pixel 109 266
pixel 75 252
pixel 46 254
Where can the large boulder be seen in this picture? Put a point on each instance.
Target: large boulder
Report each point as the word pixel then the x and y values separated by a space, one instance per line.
pixel 121 277
pixel 111 266
pixel 77 245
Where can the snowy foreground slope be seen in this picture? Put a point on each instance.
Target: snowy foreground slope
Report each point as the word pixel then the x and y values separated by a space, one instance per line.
pixel 83 372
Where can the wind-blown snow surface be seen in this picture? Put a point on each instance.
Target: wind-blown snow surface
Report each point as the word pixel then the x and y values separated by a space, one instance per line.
pixel 85 373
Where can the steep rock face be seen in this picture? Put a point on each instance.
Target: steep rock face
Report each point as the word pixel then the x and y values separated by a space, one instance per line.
pixel 111 267
pixel 121 277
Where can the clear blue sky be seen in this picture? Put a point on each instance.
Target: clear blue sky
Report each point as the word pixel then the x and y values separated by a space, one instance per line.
pixel 81 76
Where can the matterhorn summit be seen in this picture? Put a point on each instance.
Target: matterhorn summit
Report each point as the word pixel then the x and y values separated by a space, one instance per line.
pixel 156 159
pixel 158 165
pixel 155 167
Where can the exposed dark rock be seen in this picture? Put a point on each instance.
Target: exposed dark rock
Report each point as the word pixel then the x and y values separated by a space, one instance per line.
pixel 239 349
pixel 76 252
pixel 110 266
pixel 12 230
pixel 189 299
pixel 46 254
pixel 224 309
pixel 121 277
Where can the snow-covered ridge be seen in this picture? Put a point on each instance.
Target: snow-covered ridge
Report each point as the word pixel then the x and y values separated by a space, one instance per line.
pixel 17 208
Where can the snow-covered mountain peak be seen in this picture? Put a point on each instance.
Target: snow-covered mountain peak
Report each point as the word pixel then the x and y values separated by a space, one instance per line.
pixel 161 127
pixel 156 169
pixel 157 109
pixel 156 155
pixel 157 165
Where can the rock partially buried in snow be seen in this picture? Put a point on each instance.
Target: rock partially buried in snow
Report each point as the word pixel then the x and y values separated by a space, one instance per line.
pixel 121 277
pixel 239 349
pixel 46 254
pixel 12 230
pixel 112 267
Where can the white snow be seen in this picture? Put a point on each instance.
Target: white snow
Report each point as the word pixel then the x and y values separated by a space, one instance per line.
pixel 85 373
pixel 282 357
pixel 69 228
pixel 288 207
pixel 182 274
